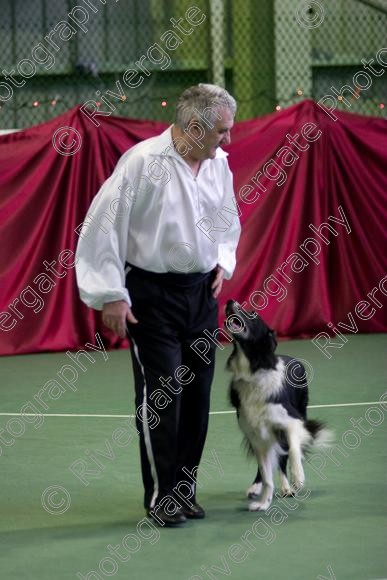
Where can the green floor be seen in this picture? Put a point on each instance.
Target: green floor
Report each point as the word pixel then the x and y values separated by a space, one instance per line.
pixel 337 532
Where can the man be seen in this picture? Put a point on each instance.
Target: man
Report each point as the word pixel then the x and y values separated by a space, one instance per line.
pixel 158 219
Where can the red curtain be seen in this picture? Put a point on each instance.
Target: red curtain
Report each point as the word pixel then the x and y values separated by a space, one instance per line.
pixel 299 275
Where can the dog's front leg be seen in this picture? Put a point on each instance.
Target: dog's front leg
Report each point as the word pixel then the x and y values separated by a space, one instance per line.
pixel 256 488
pixel 286 490
pixel 265 460
pixel 295 459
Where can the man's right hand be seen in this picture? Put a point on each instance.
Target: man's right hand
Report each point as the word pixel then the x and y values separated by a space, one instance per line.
pixel 115 315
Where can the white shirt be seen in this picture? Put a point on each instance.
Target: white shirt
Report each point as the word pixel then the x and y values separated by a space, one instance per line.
pixel 147 214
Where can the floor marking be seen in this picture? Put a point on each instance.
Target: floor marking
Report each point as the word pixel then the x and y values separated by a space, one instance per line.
pixel 67 415
pixel 211 412
pixel 347 404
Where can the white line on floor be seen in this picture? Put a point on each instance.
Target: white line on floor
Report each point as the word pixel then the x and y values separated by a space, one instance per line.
pixel 211 412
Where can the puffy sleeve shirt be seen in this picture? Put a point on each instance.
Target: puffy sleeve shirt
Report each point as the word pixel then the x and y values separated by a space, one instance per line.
pixel 154 214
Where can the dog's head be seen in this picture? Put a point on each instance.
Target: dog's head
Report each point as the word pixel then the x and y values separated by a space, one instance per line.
pixel 253 340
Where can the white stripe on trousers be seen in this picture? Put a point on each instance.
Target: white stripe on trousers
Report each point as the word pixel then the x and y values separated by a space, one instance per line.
pixel 148 444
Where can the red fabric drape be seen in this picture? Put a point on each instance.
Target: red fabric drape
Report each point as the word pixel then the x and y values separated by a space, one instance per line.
pixel 45 195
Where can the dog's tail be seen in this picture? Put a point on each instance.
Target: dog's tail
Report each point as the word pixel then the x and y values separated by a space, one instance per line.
pixel 322 437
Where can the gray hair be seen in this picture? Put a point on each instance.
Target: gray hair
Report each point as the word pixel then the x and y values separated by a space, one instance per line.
pixel 202 103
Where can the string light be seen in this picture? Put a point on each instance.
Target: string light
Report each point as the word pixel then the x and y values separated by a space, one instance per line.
pixel 285 102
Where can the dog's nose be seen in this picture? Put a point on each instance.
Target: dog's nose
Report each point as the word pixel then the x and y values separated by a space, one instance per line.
pixel 231 307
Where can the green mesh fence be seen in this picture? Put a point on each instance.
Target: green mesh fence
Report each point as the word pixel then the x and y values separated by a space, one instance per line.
pixel 134 57
pixel 331 44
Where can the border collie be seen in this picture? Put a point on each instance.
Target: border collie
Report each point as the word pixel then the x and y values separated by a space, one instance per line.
pixel 270 394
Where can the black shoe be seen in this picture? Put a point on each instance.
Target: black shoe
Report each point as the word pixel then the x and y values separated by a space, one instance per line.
pixel 194 512
pixel 162 518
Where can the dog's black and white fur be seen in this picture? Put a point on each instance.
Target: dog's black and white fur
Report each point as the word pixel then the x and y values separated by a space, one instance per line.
pixel 270 394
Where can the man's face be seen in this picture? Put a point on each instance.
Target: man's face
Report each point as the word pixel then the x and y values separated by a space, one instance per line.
pixel 217 136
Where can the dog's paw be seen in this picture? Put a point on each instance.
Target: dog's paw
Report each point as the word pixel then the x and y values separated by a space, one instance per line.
pixel 259 506
pixel 254 490
pixel 298 477
pixel 286 490
pixel 297 486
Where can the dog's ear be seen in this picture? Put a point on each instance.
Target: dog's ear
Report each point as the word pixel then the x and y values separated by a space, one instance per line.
pixel 273 339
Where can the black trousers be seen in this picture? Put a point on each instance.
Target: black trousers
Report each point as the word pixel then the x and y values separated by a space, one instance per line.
pixel 172 382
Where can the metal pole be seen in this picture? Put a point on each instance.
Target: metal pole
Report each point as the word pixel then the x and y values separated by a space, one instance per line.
pixel 217 42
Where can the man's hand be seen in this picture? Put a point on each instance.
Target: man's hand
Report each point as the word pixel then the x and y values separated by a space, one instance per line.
pixel 115 315
pixel 218 282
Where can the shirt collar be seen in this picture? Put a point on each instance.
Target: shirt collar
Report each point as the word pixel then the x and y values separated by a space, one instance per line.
pixel 165 147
